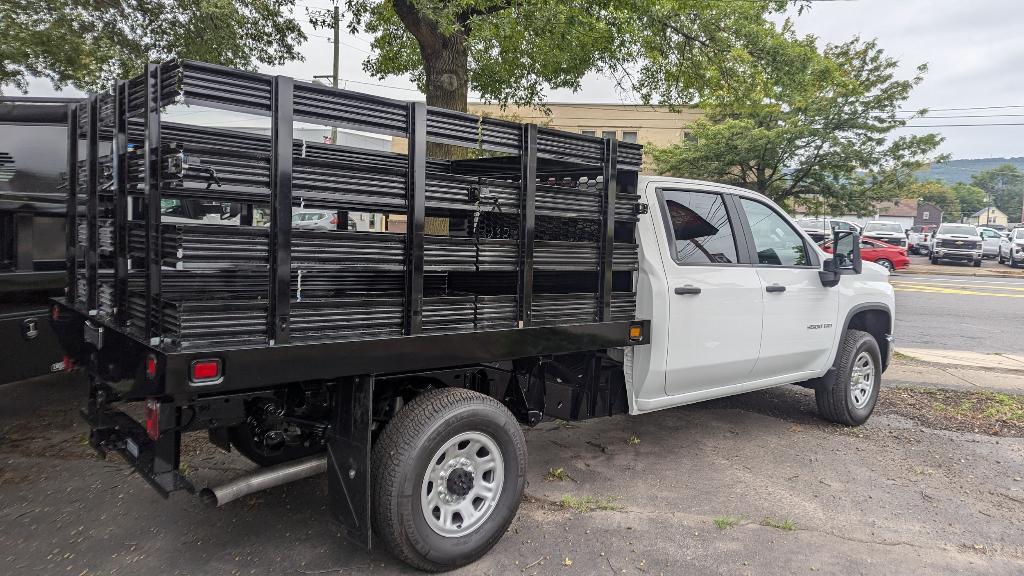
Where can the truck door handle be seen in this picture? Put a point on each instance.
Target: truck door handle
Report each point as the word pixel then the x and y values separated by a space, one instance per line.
pixel 775 288
pixel 688 289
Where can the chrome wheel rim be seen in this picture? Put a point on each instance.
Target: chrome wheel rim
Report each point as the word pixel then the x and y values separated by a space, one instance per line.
pixel 462 484
pixel 862 380
pixel 886 264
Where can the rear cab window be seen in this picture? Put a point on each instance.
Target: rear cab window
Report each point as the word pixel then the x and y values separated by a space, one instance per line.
pixel 699 228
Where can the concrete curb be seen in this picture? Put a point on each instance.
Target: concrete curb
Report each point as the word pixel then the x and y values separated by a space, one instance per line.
pixel 964 359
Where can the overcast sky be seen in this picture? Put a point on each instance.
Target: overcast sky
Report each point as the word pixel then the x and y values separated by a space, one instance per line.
pixel 975 51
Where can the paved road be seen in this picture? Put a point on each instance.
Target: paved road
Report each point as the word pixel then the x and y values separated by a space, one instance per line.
pixel 960 313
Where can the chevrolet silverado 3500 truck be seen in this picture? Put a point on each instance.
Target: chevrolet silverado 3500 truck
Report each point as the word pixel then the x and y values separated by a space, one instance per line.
pixel 536 275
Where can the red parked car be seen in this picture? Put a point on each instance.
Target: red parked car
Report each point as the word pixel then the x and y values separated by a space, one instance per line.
pixel 886 255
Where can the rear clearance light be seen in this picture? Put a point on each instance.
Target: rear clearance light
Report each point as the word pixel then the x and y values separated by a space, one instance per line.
pixel 206 371
pixel 151 367
pixel 153 419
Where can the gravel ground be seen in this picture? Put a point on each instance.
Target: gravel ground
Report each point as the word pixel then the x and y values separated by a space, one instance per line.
pixel 900 495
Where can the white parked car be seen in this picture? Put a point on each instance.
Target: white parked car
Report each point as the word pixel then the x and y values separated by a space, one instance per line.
pixel 1011 249
pixel 990 241
pixel 889 232
pixel 957 242
pixel 306 219
pixel 820 229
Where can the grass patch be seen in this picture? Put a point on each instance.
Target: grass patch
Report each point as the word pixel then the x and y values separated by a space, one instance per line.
pixel 557 475
pixel 633 440
pixel 726 522
pixel 897 355
pixel 992 413
pixel 785 524
pixel 589 503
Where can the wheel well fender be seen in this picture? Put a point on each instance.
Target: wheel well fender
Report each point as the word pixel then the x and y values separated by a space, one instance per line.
pixel 875 319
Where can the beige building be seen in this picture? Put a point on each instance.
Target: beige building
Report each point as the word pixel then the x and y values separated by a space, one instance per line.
pixel 657 125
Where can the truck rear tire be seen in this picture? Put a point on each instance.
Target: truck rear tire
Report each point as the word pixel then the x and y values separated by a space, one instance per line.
pixel 849 394
pixel 448 473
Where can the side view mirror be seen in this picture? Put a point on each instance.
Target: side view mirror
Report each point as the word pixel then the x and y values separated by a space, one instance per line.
pixel 845 258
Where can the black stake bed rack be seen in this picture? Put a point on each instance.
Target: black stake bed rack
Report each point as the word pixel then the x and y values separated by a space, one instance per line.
pixel 525 244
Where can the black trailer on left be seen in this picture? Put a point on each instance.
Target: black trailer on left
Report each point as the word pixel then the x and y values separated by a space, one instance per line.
pixel 33 164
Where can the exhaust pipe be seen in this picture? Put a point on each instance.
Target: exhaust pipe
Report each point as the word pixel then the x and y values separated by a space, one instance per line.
pixel 263 479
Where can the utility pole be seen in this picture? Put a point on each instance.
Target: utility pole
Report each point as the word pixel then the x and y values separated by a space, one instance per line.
pixel 337 60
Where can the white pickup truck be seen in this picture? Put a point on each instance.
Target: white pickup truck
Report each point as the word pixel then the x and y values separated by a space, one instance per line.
pixel 626 296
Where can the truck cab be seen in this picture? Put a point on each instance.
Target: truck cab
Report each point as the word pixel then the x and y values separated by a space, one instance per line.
pixel 739 291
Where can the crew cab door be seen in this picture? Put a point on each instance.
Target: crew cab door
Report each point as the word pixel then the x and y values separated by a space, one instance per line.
pixel 799 324
pixel 714 294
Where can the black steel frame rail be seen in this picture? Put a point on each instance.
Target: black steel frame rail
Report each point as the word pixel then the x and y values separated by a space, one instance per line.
pixel 281 209
pixel 527 222
pixel 119 152
pixel 71 215
pixel 415 208
pixel 92 166
pixel 611 179
pixel 151 110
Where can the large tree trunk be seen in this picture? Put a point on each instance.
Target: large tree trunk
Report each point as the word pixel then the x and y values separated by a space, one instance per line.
pixel 445 67
pixel 445 58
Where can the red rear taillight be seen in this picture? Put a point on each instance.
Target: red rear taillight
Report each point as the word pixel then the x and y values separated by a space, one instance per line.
pixel 55 313
pixel 204 371
pixel 152 419
pixel 151 367
pixel 334 219
pixel 69 364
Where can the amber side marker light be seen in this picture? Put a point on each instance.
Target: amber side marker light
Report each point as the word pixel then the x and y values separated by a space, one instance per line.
pixel 636 333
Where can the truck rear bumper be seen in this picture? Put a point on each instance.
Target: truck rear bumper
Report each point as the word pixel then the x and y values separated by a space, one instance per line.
pixel 156 461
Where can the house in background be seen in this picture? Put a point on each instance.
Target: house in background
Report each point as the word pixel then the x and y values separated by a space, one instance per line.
pixel 902 211
pixel 987 217
pixel 928 214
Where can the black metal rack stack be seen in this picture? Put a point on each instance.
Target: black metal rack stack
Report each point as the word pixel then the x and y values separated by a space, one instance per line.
pixel 539 223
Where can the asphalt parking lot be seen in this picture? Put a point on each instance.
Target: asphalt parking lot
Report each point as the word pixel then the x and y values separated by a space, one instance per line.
pixel 794 495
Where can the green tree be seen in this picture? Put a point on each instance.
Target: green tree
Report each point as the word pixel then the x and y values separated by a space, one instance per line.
pixel 1005 186
pixel 90 43
pixel 811 124
pixel 942 195
pixel 971 199
pixel 512 52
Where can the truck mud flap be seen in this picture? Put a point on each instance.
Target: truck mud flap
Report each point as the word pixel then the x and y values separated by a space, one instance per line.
pixel 156 461
pixel 348 458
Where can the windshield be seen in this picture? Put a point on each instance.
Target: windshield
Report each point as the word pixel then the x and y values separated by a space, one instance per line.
pixel 1019 234
pixel 963 229
pixel 883 227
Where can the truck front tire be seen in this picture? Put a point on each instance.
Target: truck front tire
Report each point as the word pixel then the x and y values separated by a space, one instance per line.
pixel 448 474
pixel 849 394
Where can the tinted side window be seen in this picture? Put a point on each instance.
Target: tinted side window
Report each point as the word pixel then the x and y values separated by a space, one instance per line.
pixel 776 242
pixel 700 228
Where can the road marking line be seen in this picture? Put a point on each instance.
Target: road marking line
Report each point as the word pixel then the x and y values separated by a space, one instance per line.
pixel 991 286
pixel 933 279
pixel 938 290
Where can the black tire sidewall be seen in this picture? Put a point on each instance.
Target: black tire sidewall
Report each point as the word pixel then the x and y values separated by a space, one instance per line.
pixel 861 415
pixel 450 552
pixel 889 267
